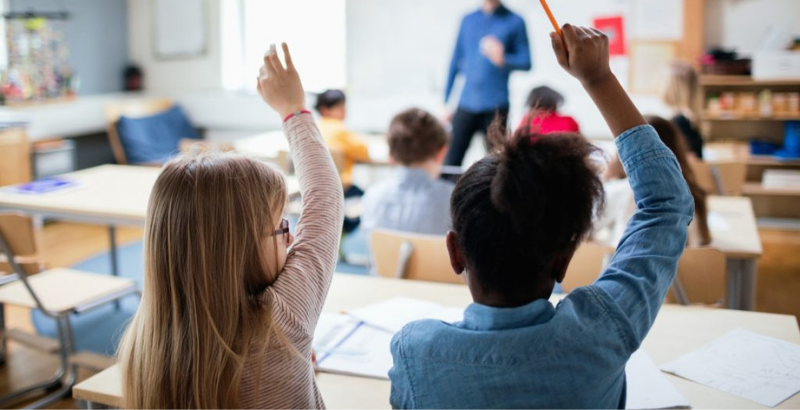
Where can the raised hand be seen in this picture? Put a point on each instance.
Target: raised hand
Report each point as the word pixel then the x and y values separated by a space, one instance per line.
pixel 281 87
pixel 583 53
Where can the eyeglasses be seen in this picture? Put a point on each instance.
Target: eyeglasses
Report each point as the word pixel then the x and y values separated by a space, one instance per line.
pixel 284 229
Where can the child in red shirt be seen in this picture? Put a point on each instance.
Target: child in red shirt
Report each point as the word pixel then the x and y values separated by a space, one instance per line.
pixel 543 116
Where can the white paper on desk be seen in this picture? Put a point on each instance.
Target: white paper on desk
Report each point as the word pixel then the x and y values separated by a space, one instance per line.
pixel 395 313
pixel 718 223
pixel 348 346
pixel 745 364
pixel 648 388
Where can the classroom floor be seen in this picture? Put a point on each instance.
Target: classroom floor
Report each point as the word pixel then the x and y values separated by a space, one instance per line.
pixel 63 245
pixel 67 244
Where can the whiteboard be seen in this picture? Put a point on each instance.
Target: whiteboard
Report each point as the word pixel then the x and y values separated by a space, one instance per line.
pixel 180 28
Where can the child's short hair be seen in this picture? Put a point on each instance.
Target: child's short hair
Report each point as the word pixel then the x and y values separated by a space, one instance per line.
pixel 416 136
pixel 545 98
pixel 330 99
pixel 525 206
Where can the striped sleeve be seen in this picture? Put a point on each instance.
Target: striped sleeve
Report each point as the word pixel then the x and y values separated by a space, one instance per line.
pixel 302 286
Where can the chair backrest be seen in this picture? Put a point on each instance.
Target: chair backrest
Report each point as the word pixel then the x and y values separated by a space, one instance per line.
pixel 587 264
pixel 19 232
pixel 134 108
pixel 702 274
pixel 720 178
pixel 412 256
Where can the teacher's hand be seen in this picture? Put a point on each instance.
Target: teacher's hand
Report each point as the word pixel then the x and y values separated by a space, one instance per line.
pixel 494 50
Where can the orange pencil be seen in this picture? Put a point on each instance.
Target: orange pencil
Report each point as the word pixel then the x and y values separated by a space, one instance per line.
pixel 550 16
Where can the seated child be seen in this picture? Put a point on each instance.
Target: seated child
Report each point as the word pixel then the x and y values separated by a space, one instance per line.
pixel 681 95
pixel 543 116
pixel 518 216
pixel 332 107
pixel 228 309
pixel 414 199
pixel 620 205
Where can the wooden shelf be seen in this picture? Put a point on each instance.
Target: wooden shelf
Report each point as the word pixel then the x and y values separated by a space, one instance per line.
pixel 734 118
pixel 757 189
pixel 743 81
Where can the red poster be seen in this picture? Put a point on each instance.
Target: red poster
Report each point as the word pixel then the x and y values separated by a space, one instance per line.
pixel 615 30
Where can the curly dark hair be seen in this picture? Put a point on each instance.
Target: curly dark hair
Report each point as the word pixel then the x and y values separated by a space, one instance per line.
pixel 416 136
pixel 524 206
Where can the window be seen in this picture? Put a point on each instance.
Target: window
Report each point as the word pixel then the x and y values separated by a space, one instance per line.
pixel 314 29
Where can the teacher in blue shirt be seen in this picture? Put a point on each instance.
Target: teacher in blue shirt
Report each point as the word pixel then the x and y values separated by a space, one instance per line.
pixel 492 42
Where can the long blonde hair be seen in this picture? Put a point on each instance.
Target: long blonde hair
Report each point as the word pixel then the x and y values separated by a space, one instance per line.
pixel 208 224
pixel 681 90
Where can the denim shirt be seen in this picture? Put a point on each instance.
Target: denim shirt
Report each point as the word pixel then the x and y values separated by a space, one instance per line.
pixel 572 355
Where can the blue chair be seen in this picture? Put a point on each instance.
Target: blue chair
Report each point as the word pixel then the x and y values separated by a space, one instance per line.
pixel 147 132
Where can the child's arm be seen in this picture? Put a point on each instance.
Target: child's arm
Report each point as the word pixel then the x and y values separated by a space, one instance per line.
pixel 646 260
pixel 306 277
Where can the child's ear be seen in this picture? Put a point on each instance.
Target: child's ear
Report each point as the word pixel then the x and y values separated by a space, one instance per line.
pixel 440 156
pixel 457 261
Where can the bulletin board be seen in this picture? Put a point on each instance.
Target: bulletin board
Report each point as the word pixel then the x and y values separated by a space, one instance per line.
pixel 180 28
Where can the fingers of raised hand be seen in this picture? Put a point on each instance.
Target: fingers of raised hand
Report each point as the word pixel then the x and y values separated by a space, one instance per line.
pixel 287 55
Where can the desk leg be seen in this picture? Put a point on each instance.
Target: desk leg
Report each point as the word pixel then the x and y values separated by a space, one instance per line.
pixel 92 405
pixel 742 275
pixel 112 241
pixel 748 280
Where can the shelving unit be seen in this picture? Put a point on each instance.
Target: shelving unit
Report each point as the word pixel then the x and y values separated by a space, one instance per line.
pixel 728 135
pixel 734 127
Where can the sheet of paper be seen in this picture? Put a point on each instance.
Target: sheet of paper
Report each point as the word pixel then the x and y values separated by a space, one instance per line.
pixel 718 223
pixel 395 313
pixel 659 20
pixel 348 346
pixel 648 388
pixel 745 364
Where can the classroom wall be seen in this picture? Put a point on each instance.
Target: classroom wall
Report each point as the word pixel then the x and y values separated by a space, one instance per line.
pixel 404 59
pixel 97 37
pixel 726 20
pixel 195 73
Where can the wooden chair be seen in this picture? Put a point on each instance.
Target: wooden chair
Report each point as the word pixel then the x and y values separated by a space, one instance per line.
pixel 129 108
pixel 57 293
pixel 412 256
pixel 720 178
pixel 701 279
pixel 586 266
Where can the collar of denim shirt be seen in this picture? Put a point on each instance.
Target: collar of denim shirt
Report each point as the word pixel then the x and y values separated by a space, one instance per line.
pixel 481 317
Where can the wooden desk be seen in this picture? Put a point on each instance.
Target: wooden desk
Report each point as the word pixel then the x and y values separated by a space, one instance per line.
pixel 111 195
pixel 734 232
pixel 678 330
pixel 268 146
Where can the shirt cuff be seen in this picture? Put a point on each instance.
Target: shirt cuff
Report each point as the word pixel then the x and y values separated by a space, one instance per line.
pixel 639 144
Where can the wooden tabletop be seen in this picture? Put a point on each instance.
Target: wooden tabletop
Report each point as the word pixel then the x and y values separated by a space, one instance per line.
pixel 269 145
pixel 114 194
pixel 677 331
pixel 757 189
pixel 733 227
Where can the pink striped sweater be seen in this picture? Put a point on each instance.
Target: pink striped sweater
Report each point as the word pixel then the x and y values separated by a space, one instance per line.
pixel 295 299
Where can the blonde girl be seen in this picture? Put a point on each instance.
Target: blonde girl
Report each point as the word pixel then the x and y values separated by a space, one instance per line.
pixel 681 94
pixel 228 309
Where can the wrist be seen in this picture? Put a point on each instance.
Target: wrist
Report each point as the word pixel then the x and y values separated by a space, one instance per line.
pixel 284 113
pixel 598 82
